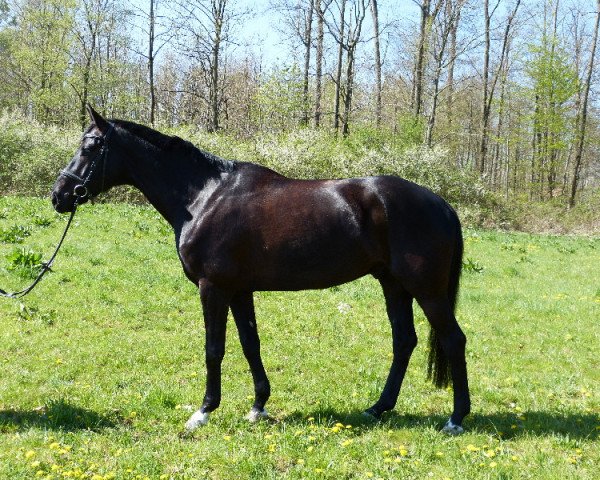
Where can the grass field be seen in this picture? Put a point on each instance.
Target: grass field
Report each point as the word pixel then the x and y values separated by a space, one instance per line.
pixel 103 363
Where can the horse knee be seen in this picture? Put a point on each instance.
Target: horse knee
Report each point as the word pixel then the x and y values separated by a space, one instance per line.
pixel 214 355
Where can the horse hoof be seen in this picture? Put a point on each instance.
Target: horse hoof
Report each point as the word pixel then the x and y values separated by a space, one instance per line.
pixel 369 415
pixel 452 429
pixel 198 419
pixel 256 415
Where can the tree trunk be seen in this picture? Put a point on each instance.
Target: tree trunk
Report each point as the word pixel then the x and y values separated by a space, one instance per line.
pixel 338 75
pixel 308 47
pixel 375 15
pixel 583 113
pixel 151 64
pixel 319 61
pixel 419 68
pixel 485 110
pixel 452 54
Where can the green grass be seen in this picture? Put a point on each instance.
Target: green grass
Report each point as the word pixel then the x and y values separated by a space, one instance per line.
pixel 103 361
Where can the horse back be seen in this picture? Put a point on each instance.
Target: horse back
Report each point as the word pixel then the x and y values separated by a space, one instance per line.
pixel 262 231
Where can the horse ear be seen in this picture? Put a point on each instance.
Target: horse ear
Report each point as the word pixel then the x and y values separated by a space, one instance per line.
pixel 97 119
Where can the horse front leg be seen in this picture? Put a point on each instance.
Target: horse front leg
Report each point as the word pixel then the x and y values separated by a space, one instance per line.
pixel 242 307
pixel 215 305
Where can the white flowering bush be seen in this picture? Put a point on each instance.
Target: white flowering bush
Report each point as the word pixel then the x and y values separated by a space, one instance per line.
pixel 31 155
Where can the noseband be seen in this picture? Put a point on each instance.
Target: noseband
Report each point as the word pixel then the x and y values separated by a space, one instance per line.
pixel 81 191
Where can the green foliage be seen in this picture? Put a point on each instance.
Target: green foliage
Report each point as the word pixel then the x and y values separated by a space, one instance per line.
pixel 39 47
pixel 471 266
pixel 14 234
pixel 279 102
pixel 25 262
pixel 32 155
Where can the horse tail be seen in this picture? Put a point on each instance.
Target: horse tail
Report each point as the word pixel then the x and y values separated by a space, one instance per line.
pixel 438 368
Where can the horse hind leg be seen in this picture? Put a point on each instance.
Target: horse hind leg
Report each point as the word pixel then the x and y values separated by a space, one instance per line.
pixel 242 308
pixel 448 353
pixel 404 339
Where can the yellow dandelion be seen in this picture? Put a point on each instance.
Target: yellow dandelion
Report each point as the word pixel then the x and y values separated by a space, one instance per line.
pixel 29 454
pixel 403 452
pixel 335 429
pixel 345 443
pixel 572 460
pixel 514 458
pixel 319 470
pixel 369 474
pixel 386 453
pixel 493 464
pixel 311 419
pixel 227 438
pixel 472 448
pixel 39 473
pixel 97 477
pixel 439 454
pixel 164 476
pixel 340 425
pixel 35 464
pixel 490 453
pixel 310 449
pixel 271 448
pixel 268 435
pixel 300 461
pixel 54 467
pixel 348 426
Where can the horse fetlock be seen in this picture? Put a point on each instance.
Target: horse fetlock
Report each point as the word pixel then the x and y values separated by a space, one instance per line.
pixel 198 419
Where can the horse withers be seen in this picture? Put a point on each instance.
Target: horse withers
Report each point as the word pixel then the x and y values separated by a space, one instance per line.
pixel 240 228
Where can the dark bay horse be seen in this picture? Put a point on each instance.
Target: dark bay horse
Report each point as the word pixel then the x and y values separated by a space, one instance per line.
pixel 241 228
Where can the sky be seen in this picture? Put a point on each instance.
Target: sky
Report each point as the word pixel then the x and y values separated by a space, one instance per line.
pixel 260 32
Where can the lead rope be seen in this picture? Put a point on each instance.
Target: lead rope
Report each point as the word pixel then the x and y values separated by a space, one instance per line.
pixel 45 265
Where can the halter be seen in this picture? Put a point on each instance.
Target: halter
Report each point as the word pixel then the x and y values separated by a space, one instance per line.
pixel 81 192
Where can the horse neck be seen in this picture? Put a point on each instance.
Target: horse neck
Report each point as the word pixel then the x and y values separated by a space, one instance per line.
pixel 169 183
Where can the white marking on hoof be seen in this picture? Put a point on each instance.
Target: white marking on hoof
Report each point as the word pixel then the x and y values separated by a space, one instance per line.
pixel 255 415
pixel 452 429
pixel 196 420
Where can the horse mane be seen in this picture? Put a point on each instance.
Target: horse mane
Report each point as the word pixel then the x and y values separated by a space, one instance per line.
pixel 174 144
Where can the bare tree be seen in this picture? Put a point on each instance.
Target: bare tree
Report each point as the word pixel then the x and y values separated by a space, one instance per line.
pixel 203 31
pixel 159 33
pixel 583 112
pixel 427 17
pixel 346 31
pixel 487 86
pixel 377 52
pixel 444 24
pixel 320 9
pixel 340 39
